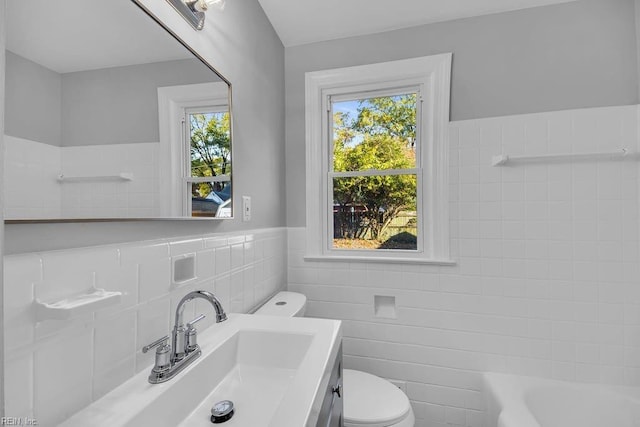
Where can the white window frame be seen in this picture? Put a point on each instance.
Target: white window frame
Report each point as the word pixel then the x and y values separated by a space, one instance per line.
pixel 172 103
pixel 187 178
pixel 432 75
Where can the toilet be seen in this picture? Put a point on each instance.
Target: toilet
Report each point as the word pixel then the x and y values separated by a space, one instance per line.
pixel 369 401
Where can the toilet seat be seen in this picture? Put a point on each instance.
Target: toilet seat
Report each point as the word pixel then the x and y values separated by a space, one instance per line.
pixel 372 402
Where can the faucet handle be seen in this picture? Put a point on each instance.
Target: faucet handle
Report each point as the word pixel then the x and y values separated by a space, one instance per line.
pixel 194 321
pixel 156 343
pixel 191 343
pixel 163 355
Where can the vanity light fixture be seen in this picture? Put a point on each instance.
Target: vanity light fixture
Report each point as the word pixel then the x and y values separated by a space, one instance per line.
pixel 193 10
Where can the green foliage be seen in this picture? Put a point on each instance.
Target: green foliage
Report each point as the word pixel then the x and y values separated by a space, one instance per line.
pixel 210 148
pixel 381 137
pixel 390 115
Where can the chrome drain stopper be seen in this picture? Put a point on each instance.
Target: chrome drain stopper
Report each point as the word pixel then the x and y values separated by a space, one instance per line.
pixel 222 411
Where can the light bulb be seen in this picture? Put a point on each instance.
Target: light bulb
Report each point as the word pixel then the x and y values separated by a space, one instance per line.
pixel 203 5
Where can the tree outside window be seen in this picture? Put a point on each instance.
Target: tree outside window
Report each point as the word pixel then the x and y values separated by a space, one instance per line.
pixel 210 157
pixel 375 182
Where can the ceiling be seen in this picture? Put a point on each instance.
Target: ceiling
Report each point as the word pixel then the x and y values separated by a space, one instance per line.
pixel 79 35
pixel 76 35
pixel 306 21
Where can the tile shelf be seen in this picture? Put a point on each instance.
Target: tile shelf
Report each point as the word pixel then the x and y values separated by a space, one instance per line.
pixel 125 176
pixel 77 305
pixel 503 159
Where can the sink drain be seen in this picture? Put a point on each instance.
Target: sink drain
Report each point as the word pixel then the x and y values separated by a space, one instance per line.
pixel 222 411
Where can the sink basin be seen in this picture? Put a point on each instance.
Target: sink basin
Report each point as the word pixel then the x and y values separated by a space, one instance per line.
pixel 274 369
pixel 257 369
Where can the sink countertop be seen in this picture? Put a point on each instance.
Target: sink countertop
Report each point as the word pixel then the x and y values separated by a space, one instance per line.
pixel 303 371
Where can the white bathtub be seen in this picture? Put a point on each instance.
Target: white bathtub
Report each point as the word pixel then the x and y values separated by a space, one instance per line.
pixel 514 401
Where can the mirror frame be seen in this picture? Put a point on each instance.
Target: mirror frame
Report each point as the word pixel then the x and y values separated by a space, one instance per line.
pixel 196 219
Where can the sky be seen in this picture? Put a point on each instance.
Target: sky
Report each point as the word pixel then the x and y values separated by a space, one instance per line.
pixel 350 107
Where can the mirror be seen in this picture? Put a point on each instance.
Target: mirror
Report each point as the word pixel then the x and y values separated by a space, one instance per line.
pixel 109 116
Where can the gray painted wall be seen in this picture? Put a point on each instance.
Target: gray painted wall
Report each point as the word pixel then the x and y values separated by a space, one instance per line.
pixel 637 18
pixel 241 43
pixel 66 109
pixel 122 101
pixel 33 101
pixel 572 55
pixel 2 125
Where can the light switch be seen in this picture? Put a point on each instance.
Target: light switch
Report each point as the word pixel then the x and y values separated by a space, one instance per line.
pixel 246 208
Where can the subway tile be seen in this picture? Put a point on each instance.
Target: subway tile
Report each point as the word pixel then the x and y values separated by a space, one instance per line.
pixel 248 288
pixel 107 380
pixel 21 274
pixel 545 281
pixel 112 336
pixel 237 292
pixel 222 260
pixel 215 242
pixel 62 390
pixel 114 351
pixel 68 273
pixel 139 253
pixel 205 264
pixel 154 279
pixel 19 383
pixel 469 136
pixel 153 322
pixel 124 280
pixel 222 291
pixel 182 247
pixel 114 341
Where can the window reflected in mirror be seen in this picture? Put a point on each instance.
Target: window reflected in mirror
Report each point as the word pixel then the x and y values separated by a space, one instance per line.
pixel 209 167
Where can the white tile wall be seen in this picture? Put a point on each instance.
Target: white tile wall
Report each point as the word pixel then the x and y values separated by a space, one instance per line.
pixel 55 368
pixel 548 275
pixel 33 191
pixel 31 169
pixel 139 198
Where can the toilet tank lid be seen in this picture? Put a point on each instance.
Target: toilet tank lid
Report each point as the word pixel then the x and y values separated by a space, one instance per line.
pixel 372 401
pixel 284 303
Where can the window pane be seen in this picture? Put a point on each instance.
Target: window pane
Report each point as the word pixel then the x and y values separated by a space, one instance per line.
pixel 210 199
pixel 210 143
pixel 375 212
pixel 375 133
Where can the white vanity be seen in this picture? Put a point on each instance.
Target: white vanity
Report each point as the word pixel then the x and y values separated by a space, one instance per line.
pixel 275 370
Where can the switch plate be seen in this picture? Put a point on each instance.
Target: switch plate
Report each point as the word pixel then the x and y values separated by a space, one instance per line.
pixel 246 208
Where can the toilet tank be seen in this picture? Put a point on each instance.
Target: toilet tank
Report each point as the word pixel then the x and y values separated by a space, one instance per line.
pixel 290 304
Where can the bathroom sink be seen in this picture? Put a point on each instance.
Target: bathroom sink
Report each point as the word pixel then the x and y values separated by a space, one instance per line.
pixel 253 369
pixel 273 369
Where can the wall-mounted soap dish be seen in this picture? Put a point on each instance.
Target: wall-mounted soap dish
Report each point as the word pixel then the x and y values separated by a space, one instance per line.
pixel 93 300
pixel 183 269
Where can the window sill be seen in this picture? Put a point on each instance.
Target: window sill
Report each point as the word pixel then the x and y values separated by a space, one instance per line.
pixel 387 260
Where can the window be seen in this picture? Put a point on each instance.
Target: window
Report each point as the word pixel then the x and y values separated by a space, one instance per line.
pixel 377 161
pixel 195 151
pixel 207 149
pixel 374 171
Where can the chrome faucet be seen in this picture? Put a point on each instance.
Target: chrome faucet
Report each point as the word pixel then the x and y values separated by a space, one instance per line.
pixel 180 340
pixel 184 341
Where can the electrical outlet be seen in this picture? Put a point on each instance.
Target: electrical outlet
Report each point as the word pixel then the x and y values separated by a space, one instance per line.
pixel 402 385
pixel 246 208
